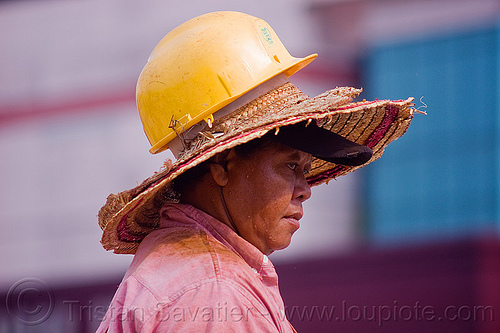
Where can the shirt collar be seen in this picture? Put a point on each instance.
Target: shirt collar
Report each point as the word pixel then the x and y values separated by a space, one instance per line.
pixel 177 214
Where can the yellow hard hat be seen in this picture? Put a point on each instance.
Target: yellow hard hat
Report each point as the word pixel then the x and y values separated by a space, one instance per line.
pixel 203 65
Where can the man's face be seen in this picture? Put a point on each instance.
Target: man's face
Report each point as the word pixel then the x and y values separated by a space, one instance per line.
pixel 265 192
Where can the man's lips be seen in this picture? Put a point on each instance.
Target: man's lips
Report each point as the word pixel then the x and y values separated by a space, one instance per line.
pixel 294 219
pixel 297 215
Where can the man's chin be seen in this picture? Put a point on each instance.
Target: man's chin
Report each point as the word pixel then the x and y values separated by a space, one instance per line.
pixel 284 245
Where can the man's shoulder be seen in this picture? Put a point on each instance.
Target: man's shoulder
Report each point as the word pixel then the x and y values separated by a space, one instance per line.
pixel 172 260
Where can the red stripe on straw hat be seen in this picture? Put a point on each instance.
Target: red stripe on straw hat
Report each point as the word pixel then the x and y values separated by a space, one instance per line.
pixel 124 234
pixel 391 112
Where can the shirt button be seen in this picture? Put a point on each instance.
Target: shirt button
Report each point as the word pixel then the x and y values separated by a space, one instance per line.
pixel 254 270
pixel 265 260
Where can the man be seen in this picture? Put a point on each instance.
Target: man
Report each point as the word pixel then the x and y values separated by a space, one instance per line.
pixel 249 144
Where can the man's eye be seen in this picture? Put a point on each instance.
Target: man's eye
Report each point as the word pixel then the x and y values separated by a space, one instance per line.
pixel 293 166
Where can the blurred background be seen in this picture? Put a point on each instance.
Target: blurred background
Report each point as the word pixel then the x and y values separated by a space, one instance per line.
pixel 410 243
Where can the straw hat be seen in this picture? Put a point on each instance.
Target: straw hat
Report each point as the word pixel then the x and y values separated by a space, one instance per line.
pixel 127 217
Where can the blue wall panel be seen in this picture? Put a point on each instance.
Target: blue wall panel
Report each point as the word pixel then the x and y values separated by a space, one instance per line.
pixel 441 178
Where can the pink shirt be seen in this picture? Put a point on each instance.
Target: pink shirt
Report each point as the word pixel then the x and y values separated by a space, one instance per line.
pixel 195 274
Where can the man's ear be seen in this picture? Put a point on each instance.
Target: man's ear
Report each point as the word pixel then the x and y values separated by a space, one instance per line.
pixel 218 168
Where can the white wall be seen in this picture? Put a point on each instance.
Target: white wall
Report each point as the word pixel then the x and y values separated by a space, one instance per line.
pixel 54 48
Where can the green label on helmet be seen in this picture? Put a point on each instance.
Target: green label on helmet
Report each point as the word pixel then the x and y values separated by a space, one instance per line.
pixel 267 35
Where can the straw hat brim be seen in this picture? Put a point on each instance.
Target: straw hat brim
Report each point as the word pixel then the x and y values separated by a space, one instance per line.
pixel 127 217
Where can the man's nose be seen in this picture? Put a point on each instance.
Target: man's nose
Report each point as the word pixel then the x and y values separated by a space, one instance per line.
pixel 302 189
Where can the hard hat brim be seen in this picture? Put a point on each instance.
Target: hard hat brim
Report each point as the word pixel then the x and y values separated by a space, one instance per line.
pixel 297 65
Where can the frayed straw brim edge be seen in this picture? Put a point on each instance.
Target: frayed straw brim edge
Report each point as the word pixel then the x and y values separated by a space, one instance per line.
pixel 124 207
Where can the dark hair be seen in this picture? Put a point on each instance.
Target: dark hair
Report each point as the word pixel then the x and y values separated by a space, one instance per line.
pixel 189 179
